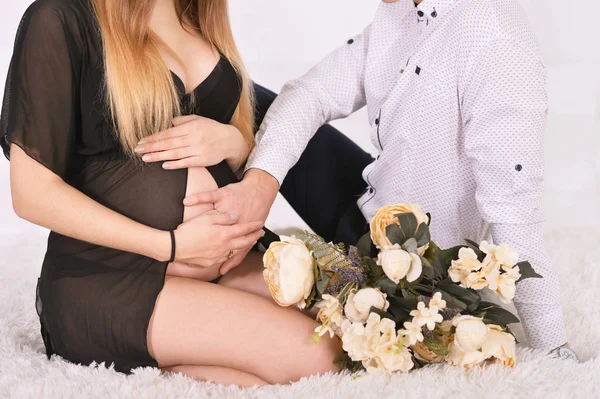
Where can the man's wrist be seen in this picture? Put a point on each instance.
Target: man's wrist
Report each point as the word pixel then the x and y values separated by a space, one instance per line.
pixel 263 181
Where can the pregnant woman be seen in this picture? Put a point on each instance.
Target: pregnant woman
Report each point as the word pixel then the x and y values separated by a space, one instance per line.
pixel 130 276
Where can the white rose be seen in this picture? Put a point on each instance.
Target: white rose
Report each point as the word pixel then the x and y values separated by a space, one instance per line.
pixel 458 357
pixel 398 264
pixel 500 345
pixel 289 271
pixel 470 333
pixel 358 305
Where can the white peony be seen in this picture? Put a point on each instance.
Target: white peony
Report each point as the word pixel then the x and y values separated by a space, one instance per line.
pixel 426 316
pixel 398 264
pixel 358 305
pixel 459 357
pixel 500 345
pixel 289 271
pixel 330 315
pixel 470 334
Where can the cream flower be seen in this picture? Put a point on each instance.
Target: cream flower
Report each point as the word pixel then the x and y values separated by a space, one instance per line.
pixel 470 333
pixel 507 287
pixel 412 333
pixel 354 340
pixel 393 357
pixel 426 316
pixel 358 305
pixel 398 264
pixel 330 315
pixel 500 346
pixel 423 353
pixel 476 281
pixel 289 272
pixel 504 253
pixel 386 216
pixel 467 263
pixel 437 301
pixel 458 357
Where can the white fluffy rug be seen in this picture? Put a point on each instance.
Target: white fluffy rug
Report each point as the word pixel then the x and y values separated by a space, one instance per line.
pixel 25 372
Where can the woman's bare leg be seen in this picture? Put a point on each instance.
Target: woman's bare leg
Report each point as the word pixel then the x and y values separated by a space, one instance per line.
pixel 202 324
pixel 224 376
pixel 248 276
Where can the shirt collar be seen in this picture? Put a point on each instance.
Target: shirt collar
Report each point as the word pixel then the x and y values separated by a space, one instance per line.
pixel 432 10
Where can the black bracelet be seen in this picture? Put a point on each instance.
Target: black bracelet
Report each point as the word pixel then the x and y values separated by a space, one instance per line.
pixel 173 246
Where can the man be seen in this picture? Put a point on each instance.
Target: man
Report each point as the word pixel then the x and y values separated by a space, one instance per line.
pixel 455 92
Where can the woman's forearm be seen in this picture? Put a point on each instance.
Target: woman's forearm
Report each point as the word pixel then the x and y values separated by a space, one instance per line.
pixel 42 198
pixel 237 150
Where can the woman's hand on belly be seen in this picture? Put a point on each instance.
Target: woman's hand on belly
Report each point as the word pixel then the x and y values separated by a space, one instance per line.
pixel 178 269
pixel 195 141
pixel 207 240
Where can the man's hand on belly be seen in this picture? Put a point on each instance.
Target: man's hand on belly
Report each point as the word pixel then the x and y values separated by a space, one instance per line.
pixel 250 200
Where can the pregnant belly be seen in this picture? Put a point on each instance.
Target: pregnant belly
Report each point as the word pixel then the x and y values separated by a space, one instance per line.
pixel 199 180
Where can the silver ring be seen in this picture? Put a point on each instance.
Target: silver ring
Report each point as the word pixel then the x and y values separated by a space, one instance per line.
pixel 230 254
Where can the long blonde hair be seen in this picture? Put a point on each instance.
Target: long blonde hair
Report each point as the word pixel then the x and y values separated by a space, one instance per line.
pixel 140 90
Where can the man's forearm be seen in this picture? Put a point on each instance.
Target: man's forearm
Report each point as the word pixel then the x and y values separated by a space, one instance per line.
pixel 537 300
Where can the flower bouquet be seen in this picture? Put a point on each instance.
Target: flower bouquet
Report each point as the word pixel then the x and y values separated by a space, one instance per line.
pixel 396 300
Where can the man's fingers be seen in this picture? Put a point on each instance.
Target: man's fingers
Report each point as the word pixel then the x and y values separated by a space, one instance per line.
pixel 181 120
pixel 181 164
pixel 206 197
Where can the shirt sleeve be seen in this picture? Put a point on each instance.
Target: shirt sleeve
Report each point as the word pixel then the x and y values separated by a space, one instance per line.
pixel 331 90
pixel 38 111
pixel 504 116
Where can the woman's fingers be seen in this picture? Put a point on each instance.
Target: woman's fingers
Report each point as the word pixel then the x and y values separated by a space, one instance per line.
pixel 169 155
pixel 164 145
pixel 243 229
pixel 206 197
pixel 241 243
pixel 176 131
pixel 223 219
pixel 182 120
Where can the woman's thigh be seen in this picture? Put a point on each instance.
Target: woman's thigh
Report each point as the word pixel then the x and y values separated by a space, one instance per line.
pixel 198 323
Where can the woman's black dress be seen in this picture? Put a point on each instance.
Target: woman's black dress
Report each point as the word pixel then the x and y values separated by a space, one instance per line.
pixel 95 303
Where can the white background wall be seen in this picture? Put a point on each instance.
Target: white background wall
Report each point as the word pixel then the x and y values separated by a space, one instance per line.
pixel 281 39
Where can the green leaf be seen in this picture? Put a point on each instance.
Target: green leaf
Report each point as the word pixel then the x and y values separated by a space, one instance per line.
pixel 429 216
pixel 468 296
pixel 428 271
pixel 423 236
pixel 395 234
pixel 410 246
pixel 527 271
pixel 382 313
pixel 345 291
pixel 364 245
pixel 499 316
pixel 404 303
pixel 408 224
pixel 388 286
